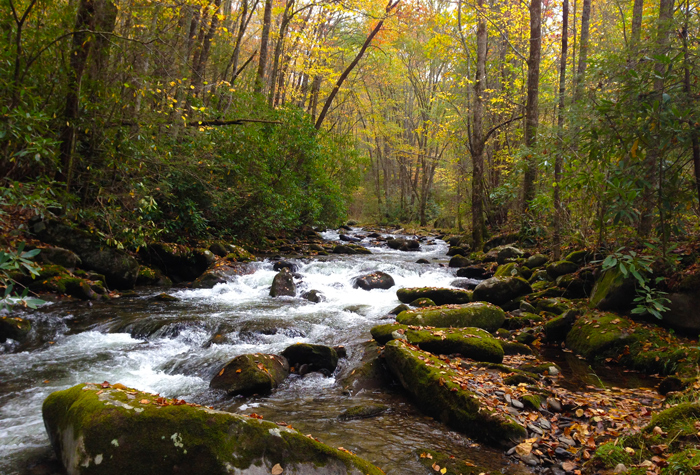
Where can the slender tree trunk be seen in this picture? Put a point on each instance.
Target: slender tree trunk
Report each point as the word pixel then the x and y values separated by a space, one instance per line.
pixel 201 66
pixel 477 140
pixel 390 6
pixel 653 156
pixel 560 132
pixel 286 17
pixel 80 51
pixel 637 13
pixel 264 48
pixel 532 106
pixel 687 86
pixel 583 49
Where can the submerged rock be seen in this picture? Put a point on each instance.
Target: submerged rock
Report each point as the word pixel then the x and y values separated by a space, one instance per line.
pixel 283 284
pixel 478 314
pixel 221 273
pixel 441 296
pixel 317 357
pixel 499 290
pixel 112 430
pixel 435 392
pixel 313 295
pixel 375 280
pixel 251 374
pixel 363 412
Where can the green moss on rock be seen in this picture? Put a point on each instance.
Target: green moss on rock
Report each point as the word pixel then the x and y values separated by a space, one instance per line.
pixel 422 302
pixel 251 374
pixel 430 383
pixel 15 328
pixel 441 296
pixel 613 291
pixel 499 290
pixel 478 314
pixel 114 431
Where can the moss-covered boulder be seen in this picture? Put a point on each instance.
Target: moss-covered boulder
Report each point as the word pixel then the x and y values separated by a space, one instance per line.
pixel 423 302
pixel 374 280
pixel 507 270
pixel 538 260
pixel 580 257
pixel 68 285
pixel 556 306
pixel 59 256
pixel 350 249
pixel 558 328
pixel 441 296
pixel 283 284
pixel 477 314
pixel 578 285
pixel 473 343
pixel 120 269
pixel 438 391
pixel 613 291
pixel 221 273
pixel 154 277
pixel 251 374
pixel 317 357
pixel 474 272
pixel 596 336
pixel 460 261
pixel 507 253
pixel 180 263
pixel 112 430
pixel 14 328
pixel 555 269
pixel 499 290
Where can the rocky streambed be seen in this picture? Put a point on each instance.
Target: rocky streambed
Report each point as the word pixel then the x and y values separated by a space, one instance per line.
pixel 450 379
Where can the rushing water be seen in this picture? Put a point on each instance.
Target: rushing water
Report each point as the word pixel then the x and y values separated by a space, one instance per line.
pixel 165 347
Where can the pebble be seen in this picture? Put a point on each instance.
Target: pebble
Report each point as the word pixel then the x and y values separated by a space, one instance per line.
pixel 563 453
pixel 508 398
pixel 553 371
pixel 620 468
pixel 553 404
pixel 530 460
pixel 513 411
pixel 544 423
pixel 568 441
pixel 517 404
pixel 535 429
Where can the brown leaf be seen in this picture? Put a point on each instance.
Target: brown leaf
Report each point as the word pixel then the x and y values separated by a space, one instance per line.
pixel 277 469
pixel 144 401
pixel 105 384
pixel 568 466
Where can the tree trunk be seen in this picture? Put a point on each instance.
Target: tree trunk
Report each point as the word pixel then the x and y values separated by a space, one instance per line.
pixel 637 13
pixel 651 164
pixel 80 50
pixel 693 131
pixel 532 106
pixel 286 17
pixel 477 140
pixel 560 132
pixel 201 66
pixel 264 48
pixel 583 49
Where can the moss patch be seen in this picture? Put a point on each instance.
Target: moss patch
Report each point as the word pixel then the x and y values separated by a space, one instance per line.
pixel 478 314
pixel 441 296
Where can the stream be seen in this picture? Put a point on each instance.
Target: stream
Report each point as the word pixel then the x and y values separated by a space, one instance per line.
pixel 166 348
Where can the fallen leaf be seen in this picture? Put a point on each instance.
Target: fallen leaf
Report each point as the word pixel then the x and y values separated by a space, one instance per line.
pixel 568 466
pixel 277 469
pixel 105 384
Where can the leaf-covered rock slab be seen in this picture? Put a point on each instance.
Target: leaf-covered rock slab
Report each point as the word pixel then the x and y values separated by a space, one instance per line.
pixel 113 430
pixel 442 392
pixel 251 374
pixel 477 314
pixel 441 296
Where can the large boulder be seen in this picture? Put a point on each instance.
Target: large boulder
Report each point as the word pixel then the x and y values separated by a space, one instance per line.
pixel 59 256
pixel 613 291
pixel 499 290
pixel 441 296
pixel 251 374
pixel 177 261
pixel 375 280
pixel 474 272
pixel 283 284
pixel 14 328
pixel 684 312
pixel 478 314
pixel 119 268
pixel 473 343
pixel 555 269
pixel 507 253
pixel 444 393
pixel 220 273
pixel 317 357
pixel 113 430
pixel 460 261
pixel 538 260
pixel 600 336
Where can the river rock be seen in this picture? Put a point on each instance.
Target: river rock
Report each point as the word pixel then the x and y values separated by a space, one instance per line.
pixel 422 261
pixel 350 249
pixel 179 262
pixel 441 296
pixel 279 265
pixel 375 280
pixel 251 374
pixel 474 272
pixel 363 412
pixel 107 430
pixel 318 357
pixel 120 269
pixel 59 256
pixel 283 284
pixel 559 327
pixel 684 313
pixel 14 328
pixel 501 240
pixel 478 314
pixel 313 295
pixel 473 343
pixel 422 302
pixel 346 238
pixel 555 269
pixel 509 269
pixel 578 285
pixel 66 284
pixel 221 273
pixel 398 309
pixel 434 391
pixel 460 261
pixel 499 290
pixel 613 291
pixel 152 277
pixel 507 253
pixel 538 260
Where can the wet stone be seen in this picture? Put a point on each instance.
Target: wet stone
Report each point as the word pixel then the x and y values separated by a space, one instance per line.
pixel 535 429
pixel 517 404
pixel 567 441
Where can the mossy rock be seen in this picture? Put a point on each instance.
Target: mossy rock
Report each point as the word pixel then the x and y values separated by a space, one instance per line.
pixel 548 293
pixel 432 388
pixel 507 270
pixel 684 462
pixel 350 249
pixel 515 348
pixel 596 336
pixel 506 254
pixel 59 256
pixel 434 462
pixel 499 290
pixel 558 328
pixel 221 273
pixel 557 306
pixel 677 420
pixel 68 285
pixel 535 261
pixel 14 328
pixel 423 302
pixel 541 368
pixel 460 261
pixel 613 291
pixel 516 379
pixel 555 269
pixel 154 277
pixel 578 285
pixel 318 357
pixel 473 343
pixel 539 275
pixel 580 257
pixel 608 456
pixel 501 240
pixel 532 401
pixel 441 296
pixel 478 314
pixel 370 374
pixel 524 319
pixel 363 412
pixel 115 431
pixel 399 308
pixel 251 374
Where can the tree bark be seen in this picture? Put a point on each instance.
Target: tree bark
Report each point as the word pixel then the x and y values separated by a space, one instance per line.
pixel 390 6
pixel 532 106
pixel 201 66
pixel 583 49
pixel 264 48
pixel 477 144
pixel 687 86
pixel 637 13
pixel 286 17
pixel 560 132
